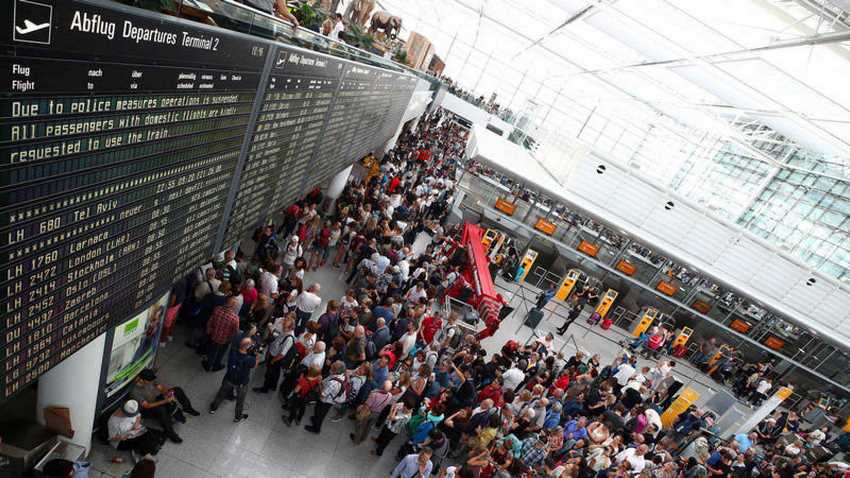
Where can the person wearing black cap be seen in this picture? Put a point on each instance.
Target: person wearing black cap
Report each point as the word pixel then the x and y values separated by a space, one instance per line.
pixel 161 403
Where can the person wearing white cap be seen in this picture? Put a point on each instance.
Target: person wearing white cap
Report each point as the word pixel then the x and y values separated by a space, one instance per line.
pixel 292 251
pixel 126 431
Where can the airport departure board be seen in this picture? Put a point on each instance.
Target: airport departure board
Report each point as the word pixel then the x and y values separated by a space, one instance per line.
pixel 318 115
pixel 126 138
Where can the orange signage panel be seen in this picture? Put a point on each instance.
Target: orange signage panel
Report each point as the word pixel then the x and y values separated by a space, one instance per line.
pixel 740 326
pixel 506 207
pixel 545 227
pixel 626 267
pixel 667 288
pixel 701 306
pixel 588 248
pixel 774 342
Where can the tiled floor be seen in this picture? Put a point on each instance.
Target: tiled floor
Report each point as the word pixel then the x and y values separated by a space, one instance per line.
pixel 263 446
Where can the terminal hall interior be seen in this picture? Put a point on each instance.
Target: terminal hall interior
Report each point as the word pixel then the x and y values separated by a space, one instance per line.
pixel 448 238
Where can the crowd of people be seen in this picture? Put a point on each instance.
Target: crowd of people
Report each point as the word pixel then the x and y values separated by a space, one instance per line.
pixel 388 359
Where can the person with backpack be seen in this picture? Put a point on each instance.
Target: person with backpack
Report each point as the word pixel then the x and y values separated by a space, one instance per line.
pixel 334 393
pixel 239 365
pixel 450 337
pixel 355 349
pixel 291 251
pixel 280 355
pixel 304 392
pixel 366 413
pixel 328 323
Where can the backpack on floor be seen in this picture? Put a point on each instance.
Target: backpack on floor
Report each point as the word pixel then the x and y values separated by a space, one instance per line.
pixel 534 317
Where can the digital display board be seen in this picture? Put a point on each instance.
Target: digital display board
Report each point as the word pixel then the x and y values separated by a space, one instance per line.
pixel 129 141
pixel 318 115
pixel 296 98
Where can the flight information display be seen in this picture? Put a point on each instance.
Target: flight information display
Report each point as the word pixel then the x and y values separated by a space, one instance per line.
pixel 362 114
pixel 318 115
pixel 297 97
pixel 125 138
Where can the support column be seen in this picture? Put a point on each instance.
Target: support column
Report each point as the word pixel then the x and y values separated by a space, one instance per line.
pixel 75 384
pixel 336 186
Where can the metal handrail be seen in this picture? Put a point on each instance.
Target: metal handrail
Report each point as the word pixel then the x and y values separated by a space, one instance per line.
pixel 449 306
pixel 259 23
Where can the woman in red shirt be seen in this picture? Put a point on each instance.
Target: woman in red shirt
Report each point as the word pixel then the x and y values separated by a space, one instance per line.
pixel 308 383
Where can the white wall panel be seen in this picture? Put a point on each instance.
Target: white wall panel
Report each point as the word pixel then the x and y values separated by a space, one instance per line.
pixel 707 239
pixel 670 224
pixel 585 181
pixel 805 296
pixel 777 276
pixel 634 200
pixel 833 309
pixel 743 258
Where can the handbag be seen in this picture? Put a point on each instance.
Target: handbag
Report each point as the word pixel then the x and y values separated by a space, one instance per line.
pixel 363 413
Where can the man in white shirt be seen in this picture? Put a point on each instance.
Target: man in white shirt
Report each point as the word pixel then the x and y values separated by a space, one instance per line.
pixel 635 457
pixel 624 373
pixel 306 303
pixel 207 286
pixel 338 27
pixel 381 263
pixel 269 281
pixel 316 358
pixel 762 388
pixel 404 268
pixel 514 376
pixel 662 370
pixel 416 292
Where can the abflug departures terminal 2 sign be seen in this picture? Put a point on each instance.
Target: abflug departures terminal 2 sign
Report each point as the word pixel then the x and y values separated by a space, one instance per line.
pixel 122 135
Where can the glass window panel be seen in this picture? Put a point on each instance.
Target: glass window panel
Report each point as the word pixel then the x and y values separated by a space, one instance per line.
pixel 832 218
pixel 824 183
pixel 803 208
pixel 841 206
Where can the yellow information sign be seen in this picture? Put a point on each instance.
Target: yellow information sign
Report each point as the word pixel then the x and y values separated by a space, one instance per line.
pixel 490 236
pixel 685 399
pixel 525 265
pixel 567 284
pixel 606 302
pixel 683 336
pixel 645 322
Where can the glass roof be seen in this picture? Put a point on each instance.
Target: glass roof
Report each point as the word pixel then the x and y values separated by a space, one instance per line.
pixel 653 83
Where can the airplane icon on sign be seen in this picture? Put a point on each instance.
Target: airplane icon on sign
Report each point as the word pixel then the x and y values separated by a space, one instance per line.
pixel 30 27
pixel 36 18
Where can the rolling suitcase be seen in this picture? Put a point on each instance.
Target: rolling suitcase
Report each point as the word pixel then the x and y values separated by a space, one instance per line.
pixel 534 317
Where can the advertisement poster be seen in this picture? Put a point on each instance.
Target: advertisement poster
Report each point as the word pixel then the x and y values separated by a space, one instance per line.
pixel 134 345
